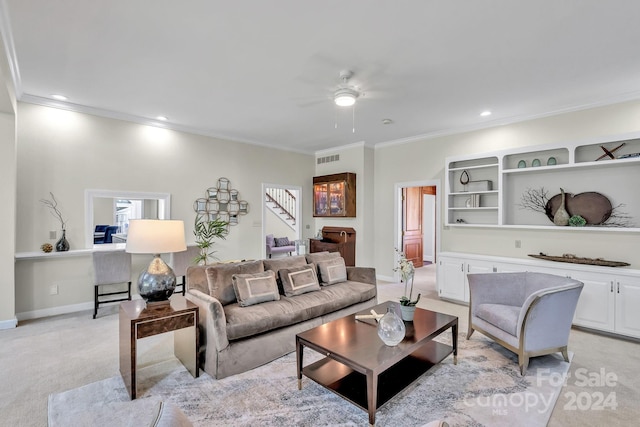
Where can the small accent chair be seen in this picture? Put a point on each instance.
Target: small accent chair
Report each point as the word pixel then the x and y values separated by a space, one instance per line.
pixel 179 261
pixel 110 268
pixel 527 313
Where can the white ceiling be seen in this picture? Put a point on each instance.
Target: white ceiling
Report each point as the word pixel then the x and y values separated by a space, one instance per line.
pixel 263 71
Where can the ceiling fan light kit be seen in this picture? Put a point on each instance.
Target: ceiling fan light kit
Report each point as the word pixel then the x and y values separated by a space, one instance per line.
pixel 346 94
pixel 345 97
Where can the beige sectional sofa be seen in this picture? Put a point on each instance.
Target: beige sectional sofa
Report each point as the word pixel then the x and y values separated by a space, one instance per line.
pixel 243 324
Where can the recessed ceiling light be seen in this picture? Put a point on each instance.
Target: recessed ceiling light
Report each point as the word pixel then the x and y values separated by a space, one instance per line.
pixel 387 121
pixel 163 118
pixel 485 113
pixel 59 97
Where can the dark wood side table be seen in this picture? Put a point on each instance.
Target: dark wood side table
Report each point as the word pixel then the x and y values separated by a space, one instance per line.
pixel 137 320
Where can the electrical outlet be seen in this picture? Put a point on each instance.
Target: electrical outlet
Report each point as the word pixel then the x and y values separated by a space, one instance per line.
pixel 518 244
pixel 53 290
pixel 52 234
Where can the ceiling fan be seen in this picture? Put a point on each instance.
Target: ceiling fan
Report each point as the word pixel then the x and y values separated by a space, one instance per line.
pixel 346 94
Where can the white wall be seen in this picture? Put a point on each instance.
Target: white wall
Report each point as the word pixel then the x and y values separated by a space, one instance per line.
pixel 274 225
pixel 360 160
pixel 66 152
pixel 428 226
pixel 425 160
pixel 7 218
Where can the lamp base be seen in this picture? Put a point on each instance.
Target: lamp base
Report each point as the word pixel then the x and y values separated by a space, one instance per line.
pixel 157 282
pixel 158 303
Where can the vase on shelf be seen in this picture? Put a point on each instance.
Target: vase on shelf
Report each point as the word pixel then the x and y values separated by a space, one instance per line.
pixel 561 217
pixel 391 329
pixel 62 245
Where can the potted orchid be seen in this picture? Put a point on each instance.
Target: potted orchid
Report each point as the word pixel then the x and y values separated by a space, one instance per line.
pixel 406 270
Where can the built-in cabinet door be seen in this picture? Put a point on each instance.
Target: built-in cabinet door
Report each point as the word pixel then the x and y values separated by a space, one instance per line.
pixel 596 306
pixel 451 279
pixel 627 294
pixel 475 267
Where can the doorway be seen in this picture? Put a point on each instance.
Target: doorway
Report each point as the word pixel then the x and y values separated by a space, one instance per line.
pixel 417 221
pixel 281 213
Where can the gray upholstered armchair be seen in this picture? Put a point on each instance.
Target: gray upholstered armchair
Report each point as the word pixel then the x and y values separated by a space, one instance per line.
pixel 527 313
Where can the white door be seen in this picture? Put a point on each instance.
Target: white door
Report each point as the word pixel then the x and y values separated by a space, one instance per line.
pixel 627 302
pixel 596 306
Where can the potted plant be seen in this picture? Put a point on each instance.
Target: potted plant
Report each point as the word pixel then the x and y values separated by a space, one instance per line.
pixel 406 269
pixel 205 231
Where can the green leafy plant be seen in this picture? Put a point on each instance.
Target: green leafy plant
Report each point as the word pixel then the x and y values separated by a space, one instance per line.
pixel 406 269
pixel 206 231
pixel 577 221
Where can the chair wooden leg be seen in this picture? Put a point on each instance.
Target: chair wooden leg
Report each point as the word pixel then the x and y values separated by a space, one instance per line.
pixel 470 332
pixel 523 361
pixel 95 301
pixel 565 354
pixel 184 284
pixel 129 292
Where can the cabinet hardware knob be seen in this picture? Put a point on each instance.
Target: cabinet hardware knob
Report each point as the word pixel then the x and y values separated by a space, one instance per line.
pixel 612 286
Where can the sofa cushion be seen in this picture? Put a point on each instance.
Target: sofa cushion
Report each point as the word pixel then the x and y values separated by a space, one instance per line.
pixel 219 278
pixel 501 316
pixel 299 280
pixel 255 288
pixel 277 264
pixel 282 241
pixel 244 322
pixel 316 257
pixel 332 271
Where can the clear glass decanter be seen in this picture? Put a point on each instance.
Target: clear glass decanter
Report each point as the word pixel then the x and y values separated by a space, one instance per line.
pixel 391 329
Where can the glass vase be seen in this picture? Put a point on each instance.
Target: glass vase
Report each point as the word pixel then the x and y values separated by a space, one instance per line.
pixel 391 329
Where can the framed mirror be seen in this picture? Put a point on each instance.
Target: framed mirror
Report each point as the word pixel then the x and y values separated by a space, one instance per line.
pixel 107 214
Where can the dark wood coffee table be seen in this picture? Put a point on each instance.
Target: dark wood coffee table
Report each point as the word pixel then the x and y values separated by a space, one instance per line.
pixel 360 368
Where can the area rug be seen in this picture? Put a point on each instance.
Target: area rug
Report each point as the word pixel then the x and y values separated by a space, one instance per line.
pixel 483 389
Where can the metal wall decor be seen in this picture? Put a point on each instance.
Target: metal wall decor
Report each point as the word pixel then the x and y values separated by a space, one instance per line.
pixel 222 202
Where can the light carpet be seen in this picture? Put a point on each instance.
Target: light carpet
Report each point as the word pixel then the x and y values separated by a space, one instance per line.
pixel 483 389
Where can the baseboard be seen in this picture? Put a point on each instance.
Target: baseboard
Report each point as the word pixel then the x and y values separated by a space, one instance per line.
pixel 55 311
pixel 386 278
pixel 9 324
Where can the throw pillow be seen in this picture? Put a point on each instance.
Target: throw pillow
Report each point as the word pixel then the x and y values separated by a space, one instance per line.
pixel 316 257
pixel 332 271
pixel 282 241
pixel 255 288
pixel 220 278
pixel 299 280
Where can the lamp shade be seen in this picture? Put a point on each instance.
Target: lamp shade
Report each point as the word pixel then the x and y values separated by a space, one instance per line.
pixel 155 236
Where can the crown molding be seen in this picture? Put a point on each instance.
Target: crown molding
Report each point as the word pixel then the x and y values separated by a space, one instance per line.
pixel 340 147
pixel 100 112
pixel 618 99
pixel 10 49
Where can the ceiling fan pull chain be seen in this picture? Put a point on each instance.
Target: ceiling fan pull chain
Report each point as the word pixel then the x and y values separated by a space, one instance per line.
pixel 353 119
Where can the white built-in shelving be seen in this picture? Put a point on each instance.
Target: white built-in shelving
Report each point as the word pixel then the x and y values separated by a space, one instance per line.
pixel 511 173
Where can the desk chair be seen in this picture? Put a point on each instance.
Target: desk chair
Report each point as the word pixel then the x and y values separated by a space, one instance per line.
pixel 179 261
pixel 110 268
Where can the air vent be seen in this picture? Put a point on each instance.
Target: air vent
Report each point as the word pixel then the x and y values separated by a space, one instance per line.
pixel 329 159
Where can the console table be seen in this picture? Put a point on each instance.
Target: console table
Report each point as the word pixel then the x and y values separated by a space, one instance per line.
pixel 139 320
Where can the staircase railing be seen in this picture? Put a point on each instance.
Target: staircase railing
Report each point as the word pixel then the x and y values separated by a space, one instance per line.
pixel 284 200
